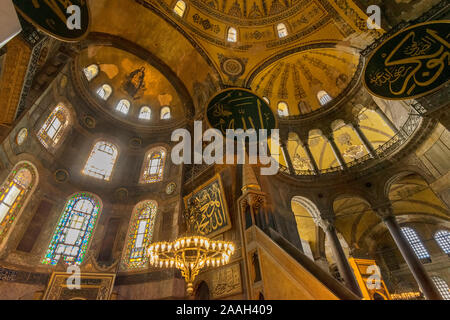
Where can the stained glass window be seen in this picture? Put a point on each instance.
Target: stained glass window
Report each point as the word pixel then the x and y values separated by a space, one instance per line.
pixel 140 234
pixel 13 194
pixel 442 237
pixel 415 243
pixel 123 106
pixel 442 287
pixel 154 166
pixel 101 161
pixel 165 113
pixel 53 128
pixel 323 97
pixel 283 109
pixel 232 35
pixel 282 30
pixel 180 7
pixel 104 91
pixel 91 72
pixel 145 113
pixel 74 230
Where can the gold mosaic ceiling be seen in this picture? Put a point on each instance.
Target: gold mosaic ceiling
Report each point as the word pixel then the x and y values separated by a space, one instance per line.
pixel 297 79
pixel 132 79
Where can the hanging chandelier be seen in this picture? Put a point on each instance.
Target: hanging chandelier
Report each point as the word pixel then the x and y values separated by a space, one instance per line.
pixel 192 252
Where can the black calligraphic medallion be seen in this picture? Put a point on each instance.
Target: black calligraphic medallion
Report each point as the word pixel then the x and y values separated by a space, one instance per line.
pixel 51 16
pixel 238 108
pixel 411 63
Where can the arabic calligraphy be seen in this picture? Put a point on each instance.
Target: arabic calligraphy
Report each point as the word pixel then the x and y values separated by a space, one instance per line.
pixel 212 217
pixel 411 63
pixel 239 109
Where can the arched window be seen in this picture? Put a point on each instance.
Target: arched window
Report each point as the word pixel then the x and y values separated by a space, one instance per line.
pixel 154 166
pixel 104 92
pixel 232 35
pixel 415 243
pixel 74 230
pixel 180 7
pixel 323 97
pixel 145 113
pixel 283 109
pixel 53 128
pixel 123 106
pixel 442 237
pixel 140 234
pixel 14 192
pixel 165 113
pixel 91 72
pixel 442 287
pixel 282 30
pixel 101 161
pixel 266 100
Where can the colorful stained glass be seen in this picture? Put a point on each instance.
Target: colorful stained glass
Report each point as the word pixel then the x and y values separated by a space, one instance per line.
pixel 53 128
pixel 140 234
pixel 154 166
pixel 101 161
pixel 13 194
pixel 74 230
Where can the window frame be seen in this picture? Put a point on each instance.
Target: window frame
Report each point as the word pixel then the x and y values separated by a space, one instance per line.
pixel 93 148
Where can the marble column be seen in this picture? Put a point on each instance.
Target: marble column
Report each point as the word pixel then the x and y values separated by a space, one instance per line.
pixel 386 119
pixel 310 157
pixel 344 268
pixel 417 269
pixel 337 152
pixel 287 157
pixel 363 139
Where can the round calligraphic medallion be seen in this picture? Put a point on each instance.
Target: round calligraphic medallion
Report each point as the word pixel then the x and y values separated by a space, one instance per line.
pixel 52 17
pixel 238 108
pixel 410 64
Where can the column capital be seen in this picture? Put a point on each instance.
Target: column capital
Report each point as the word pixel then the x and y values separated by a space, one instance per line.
pixel 384 211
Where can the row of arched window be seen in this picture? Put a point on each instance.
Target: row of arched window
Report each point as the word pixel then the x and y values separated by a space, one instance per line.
pixel 105 91
pixel 76 225
pixel 103 156
pixel 232 35
pixel 283 108
pixel 442 238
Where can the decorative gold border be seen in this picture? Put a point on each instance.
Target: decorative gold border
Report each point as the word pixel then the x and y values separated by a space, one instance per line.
pixel 381 45
pixel 45 30
pixel 222 193
pixel 64 275
pixel 232 89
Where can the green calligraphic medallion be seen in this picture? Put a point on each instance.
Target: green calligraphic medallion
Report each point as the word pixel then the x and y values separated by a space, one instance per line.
pixel 50 16
pixel 238 108
pixel 410 64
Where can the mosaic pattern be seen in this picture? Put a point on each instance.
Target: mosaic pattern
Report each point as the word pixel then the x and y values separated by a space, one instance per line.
pixel 154 166
pixel 140 234
pixel 52 130
pixel 74 231
pixel 13 194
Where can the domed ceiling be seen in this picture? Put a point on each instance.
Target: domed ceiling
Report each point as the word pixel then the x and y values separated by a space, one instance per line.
pixel 131 79
pixel 298 78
